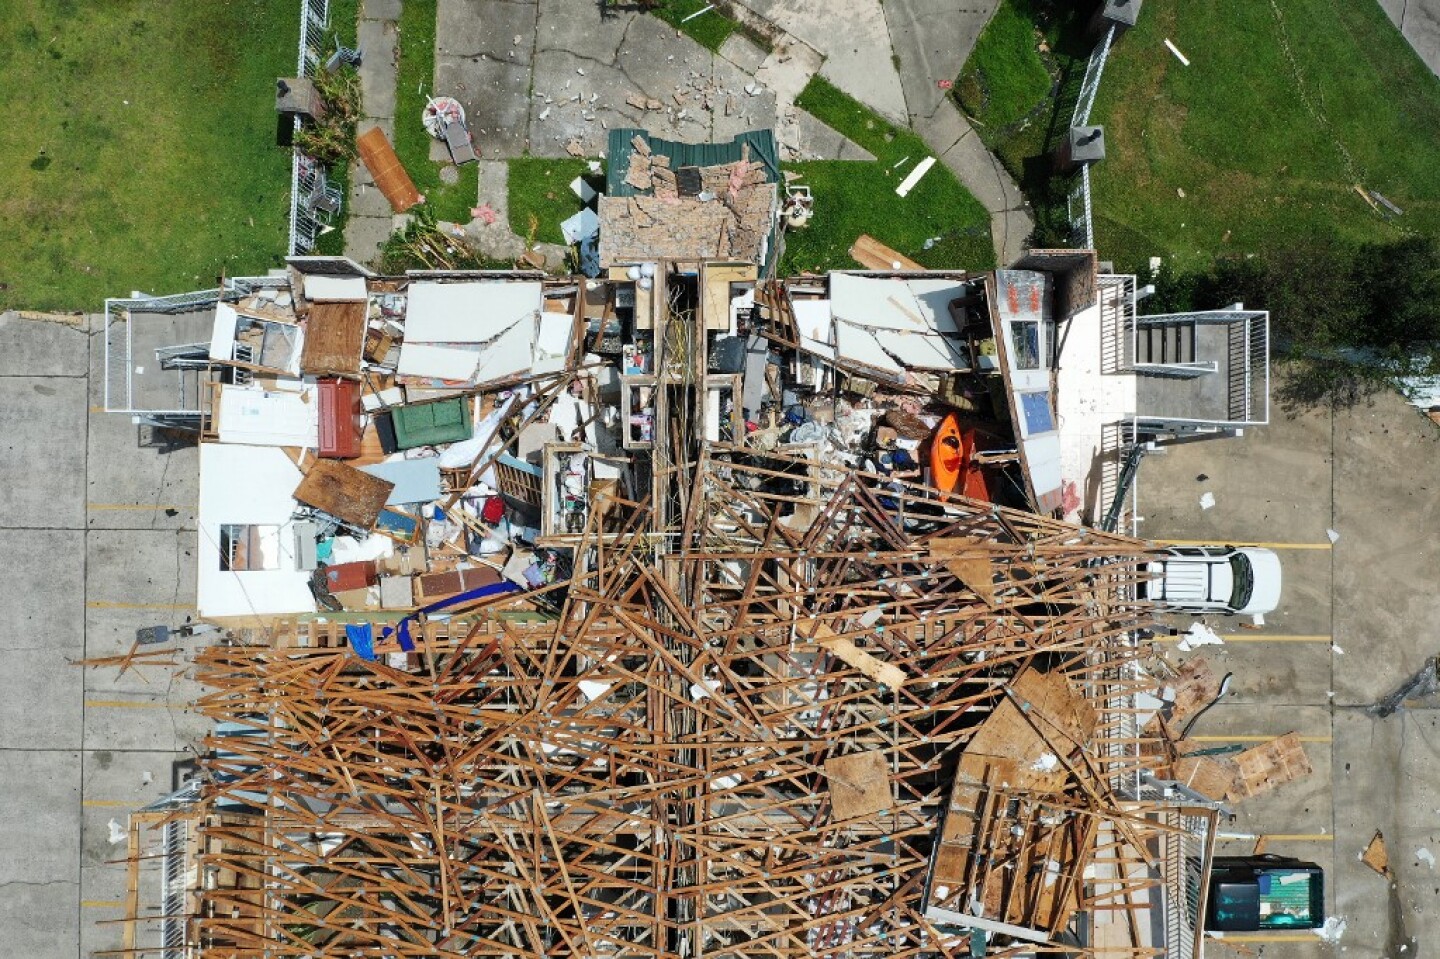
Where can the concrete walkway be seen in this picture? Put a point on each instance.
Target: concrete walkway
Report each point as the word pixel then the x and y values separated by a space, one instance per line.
pixel 931 40
pixel 1419 24
pixel 371 219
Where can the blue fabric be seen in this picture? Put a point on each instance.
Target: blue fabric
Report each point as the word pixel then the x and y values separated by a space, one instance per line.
pixel 362 640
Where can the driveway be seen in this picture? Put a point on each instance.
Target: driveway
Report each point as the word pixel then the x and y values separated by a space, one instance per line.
pixel 550 77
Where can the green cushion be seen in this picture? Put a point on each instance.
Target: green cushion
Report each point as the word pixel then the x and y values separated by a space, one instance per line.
pixel 430 424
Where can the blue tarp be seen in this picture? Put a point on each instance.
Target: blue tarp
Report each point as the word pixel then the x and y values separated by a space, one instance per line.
pixel 480 592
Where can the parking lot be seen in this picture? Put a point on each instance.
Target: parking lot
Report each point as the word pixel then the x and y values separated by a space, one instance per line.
pixel 1356 619
pixel 97 540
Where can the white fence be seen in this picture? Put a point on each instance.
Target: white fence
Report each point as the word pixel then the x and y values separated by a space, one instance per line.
pixel 305 219
pixel 1081 221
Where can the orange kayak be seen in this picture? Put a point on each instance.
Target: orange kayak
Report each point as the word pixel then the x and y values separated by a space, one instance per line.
pixel 952 469
pixel 948 455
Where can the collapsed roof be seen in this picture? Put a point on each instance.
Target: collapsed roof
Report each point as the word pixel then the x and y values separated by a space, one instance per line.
pixel 601 618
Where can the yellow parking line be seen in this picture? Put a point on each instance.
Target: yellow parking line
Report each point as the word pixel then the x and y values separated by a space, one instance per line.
pixel 1257 638
pixel 1280 837
pixel 103 605
pixel 1228 542
pixel 136 704
pixel 106 803
pixel 151 507
pixel 1254 739
pixel 101 904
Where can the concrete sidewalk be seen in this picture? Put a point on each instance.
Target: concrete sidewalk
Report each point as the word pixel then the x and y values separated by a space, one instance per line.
pixel 371 220
pixel 1419 24
pixel 931 40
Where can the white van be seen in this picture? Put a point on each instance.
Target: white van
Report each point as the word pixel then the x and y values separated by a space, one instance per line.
pixel 1240 580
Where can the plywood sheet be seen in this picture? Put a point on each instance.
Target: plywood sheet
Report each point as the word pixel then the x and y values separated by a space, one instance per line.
pixel 1212 778
pixel 1376 856
pixel 334 338
pixel 1264 767
pixel 384 165
pixel 344 492
pixel 1058 719
pixel 859 784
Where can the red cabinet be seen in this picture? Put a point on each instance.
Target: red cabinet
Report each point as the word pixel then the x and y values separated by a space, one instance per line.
pixel 343 576
pixel 340 418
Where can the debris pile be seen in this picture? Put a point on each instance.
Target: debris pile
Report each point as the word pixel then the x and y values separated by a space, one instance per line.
pixel 685 201
pixel 672 611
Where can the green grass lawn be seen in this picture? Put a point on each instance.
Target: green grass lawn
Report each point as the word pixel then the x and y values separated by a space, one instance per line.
pixel 852 197
pixel 1285 107
pixel 541 187
pixel 415 79
pixel 1004 78
pixel 709 29
pixel 1021 96
pixel 137 141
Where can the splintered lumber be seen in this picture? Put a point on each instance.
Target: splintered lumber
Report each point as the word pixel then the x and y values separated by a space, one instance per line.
pixel 874 255
pixel 1196 687
pixel 1270 765
pixel 845 649
pixel 730 733
pixel 385 167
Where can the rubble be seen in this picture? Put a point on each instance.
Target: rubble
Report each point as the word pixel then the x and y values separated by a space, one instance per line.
pixel 681 609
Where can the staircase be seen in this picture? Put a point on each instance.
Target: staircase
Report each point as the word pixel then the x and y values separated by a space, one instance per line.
pixel 1167 348
pixel 1165 343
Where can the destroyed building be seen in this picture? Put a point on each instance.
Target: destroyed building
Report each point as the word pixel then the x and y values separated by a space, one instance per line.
pixel 669 614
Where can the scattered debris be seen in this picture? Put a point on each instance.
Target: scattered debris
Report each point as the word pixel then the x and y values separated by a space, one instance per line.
pixel 1375 855
pixel 1426 856
pixel 1424 682
pixel 1199 635
pixel 1333 536
pixel 908 184
pixel 1207 500
pixel 1175 50
pixel 674 534
pixel 1332 931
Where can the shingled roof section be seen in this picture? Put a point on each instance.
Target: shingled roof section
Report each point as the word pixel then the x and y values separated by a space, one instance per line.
pixel 688 201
